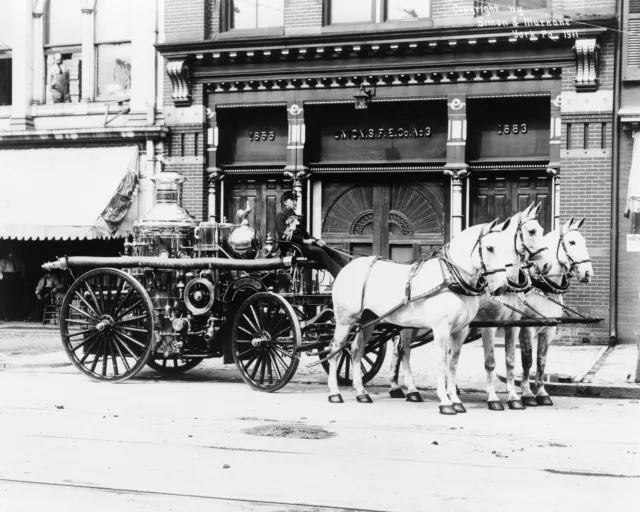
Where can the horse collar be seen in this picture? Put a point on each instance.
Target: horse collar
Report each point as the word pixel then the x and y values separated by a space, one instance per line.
pixel 545 284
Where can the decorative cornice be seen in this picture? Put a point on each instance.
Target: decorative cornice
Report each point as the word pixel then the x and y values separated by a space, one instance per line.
pixel 83 135
pixel 223 48
pixel 180 74
pixel 586 51
pixel 383 79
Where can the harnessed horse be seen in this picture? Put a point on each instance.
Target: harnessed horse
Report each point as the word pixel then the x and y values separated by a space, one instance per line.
pixel 440 294
pixel 546 299
pixel 528 246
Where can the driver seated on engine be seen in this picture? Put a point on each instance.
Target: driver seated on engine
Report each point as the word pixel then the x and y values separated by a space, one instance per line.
pixel 289 230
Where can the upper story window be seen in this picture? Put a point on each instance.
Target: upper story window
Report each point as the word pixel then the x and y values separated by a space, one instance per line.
pixel 5 80
pixel 114 30
pixel 253 14
pixel 6 38
pixel 376 11
pixel 63 51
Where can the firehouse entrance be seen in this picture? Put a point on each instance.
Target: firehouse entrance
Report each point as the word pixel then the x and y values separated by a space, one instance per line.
pixel 401 219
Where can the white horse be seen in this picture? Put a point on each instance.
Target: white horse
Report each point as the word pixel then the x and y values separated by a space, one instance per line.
pixel 526 236
pixel 569 255
pixel 478 256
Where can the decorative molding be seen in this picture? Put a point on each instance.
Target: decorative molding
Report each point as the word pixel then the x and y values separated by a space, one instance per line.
pixel 180 74
pixel 347 81
pixel 586 51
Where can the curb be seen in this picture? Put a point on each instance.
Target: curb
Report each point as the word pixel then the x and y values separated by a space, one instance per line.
pixel 14 366
pixel 587 390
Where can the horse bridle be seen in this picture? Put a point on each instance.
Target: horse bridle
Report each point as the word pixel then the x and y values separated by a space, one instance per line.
pixel 485 271
pixel 572 263
pixel 519 234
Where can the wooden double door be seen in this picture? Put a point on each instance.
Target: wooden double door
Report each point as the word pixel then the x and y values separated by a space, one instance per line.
pixel 262 193
pixel 503 195
pixel 398 218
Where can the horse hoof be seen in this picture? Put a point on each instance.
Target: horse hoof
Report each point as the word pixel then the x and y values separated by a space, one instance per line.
pixel 447 409
pixel 529 401
pixel 396 393
pixel 544 400
pixel 414 396
pixel 364 399
pixel 459 408
pixel 516 405
pixel 495 405
pixel 336 399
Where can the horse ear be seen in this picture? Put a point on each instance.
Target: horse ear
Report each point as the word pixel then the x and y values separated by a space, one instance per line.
pixel 579 223
pixel 536 212
pixel 505 225
pixel 527 210
pixel 567 225
pixel 491 225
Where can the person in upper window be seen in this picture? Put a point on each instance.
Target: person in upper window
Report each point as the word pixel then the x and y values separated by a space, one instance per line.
pixel 58 81
pixel 289 230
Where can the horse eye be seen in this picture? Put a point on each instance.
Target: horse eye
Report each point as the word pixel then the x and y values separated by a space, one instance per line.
pixel 532 232
pixel 490 249
pixel 572 242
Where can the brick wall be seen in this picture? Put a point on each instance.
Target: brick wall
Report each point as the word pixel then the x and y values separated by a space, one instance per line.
pixel 184 20
pixel 303 13
pixel 628 262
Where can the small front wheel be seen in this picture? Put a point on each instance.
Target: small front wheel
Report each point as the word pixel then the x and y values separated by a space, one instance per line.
pixel 265 341
pixel 173 365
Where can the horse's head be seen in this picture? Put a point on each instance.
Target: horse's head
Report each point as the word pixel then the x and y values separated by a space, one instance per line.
pixel 570 255
pixel 528 240
pixel 491 254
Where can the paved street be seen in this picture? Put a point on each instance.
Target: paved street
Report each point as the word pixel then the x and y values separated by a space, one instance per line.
pixel 155 443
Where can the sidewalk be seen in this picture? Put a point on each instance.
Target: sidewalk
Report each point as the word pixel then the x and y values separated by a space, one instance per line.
pixel 583 370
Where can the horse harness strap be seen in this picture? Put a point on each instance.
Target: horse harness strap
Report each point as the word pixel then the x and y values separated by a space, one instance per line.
pixel 366 279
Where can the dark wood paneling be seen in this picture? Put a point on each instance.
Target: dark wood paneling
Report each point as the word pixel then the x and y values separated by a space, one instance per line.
pixel 491 133
pixel 384 132
pixel 240 127
pixel 264 195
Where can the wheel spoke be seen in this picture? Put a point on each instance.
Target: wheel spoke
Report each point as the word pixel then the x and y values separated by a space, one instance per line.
pixel 269 372
pixel 125 345
pixel 84 313
pixel 122 302
pixel 81 322
pixel 117 297
pixel 93 297
pixel 246 352
pixel 130 319
pixel 263 367
pixel 258 361
pixel 96 356
pixel 100 293
pixel 85 331
pixel 253 358
pixel 277 359
pixel 255 317
pixel 253 334
pixel 96 315
pixel 122 357
pixel 88 352
pixel 366 358
pixel 127 337
pixel 113 359
pixel 126 311
pixel 84 342
pixel 256 330
pixel 105 357
pixel 135 329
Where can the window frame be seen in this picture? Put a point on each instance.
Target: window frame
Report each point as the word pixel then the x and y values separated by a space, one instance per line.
pixel 105 96
pixel 7 55
pixel 225 22
pixel 50 50
pixel 379 11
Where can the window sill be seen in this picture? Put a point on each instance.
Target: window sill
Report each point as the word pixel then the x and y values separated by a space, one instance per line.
pixel 251 32
pixel 377 27
pixel 70 109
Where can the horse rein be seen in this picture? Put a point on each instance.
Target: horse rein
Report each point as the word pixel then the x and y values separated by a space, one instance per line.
pixel 524 257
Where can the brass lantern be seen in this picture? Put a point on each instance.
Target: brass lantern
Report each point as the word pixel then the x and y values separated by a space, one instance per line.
pixel 363 97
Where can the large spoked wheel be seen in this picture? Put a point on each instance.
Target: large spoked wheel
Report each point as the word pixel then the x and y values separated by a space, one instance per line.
pixel 106 323
pixel 265 338
pixel 173 365
pixel 370 364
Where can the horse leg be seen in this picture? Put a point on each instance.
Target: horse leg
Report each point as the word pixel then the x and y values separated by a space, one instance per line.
pixel 398 348
pixel 526 354
pixel 413 395
pixel 488 337
pixel 442 337
pixel 454 355
pixel 340 334
pixel 544 338
pixel 358 346
pixel 510 335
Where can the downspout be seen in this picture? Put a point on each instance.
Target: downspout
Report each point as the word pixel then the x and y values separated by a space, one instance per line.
pixel 613 277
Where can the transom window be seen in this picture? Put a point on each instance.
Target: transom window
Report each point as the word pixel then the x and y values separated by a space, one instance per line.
pixel 376 11
pixel 252 14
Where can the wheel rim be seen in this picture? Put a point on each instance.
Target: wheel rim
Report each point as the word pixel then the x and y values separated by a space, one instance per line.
pixel 106 323
pixel 265 340
pixel 172 365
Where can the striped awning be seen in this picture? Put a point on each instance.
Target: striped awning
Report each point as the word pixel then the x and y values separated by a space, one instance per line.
pixel 68 193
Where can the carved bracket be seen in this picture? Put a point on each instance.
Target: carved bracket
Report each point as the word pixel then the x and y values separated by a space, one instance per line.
pixel 180 74
pixel 586 64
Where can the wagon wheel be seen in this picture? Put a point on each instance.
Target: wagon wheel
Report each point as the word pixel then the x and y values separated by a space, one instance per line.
pixel 370 364
pixel 265 339
pixel 106 323
pixel 174 365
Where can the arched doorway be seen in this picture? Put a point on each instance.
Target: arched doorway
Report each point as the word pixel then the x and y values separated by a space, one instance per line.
pixel 401 220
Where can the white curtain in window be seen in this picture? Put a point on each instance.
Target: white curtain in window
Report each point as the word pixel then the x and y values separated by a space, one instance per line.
pixel 114 20
pixel 63 20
